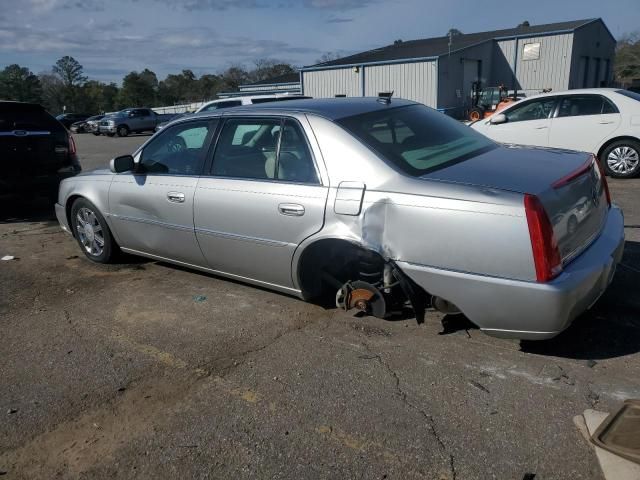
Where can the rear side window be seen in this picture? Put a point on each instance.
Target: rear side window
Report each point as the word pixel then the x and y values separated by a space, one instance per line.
pixel 580 105
pixel 178 150
pixel 417 139
pixel 17 116
pixel 263 149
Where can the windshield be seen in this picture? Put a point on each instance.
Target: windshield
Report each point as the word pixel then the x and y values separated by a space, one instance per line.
pixel 417 139
pixel 630 94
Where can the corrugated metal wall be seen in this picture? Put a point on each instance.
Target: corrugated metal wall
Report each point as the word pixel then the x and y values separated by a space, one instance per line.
pixel 551 70
pixel 594 43
pixel 329 83
pixel 413 81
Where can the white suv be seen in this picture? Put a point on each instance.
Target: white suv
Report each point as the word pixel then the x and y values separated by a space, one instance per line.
pixel 246 100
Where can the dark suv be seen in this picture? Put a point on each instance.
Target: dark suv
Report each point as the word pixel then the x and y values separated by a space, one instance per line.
pixel 36 150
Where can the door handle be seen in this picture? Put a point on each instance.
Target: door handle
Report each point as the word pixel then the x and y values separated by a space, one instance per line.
pixel 541 128
pixel 606 123
pixel 175 197
pixel 292 209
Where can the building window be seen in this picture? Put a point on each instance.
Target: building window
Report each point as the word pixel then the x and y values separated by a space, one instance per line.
pixel 531 51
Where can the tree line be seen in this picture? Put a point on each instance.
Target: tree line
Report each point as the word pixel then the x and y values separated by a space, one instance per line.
pixel 66 86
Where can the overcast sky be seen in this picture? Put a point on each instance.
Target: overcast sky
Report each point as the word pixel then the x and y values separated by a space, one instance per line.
pixel 113 37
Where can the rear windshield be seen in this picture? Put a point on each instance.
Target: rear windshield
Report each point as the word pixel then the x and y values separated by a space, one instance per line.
pixel 417 139
pixel 630 94
pixel 23 116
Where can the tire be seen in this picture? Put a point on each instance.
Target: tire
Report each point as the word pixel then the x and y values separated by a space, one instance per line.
pixel 111 134
pixel 92 232
pixel 476 113
pixel 123 131
pixel 621 159
pixel 97 134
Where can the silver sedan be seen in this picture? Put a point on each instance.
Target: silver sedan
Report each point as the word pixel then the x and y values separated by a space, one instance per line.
pixel 382 204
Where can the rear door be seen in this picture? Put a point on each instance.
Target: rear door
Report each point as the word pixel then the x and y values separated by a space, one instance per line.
pixel 528 123
pixel 262 197
pixel 582 122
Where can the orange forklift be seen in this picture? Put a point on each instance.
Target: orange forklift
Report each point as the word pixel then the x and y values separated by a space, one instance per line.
pixel 489 100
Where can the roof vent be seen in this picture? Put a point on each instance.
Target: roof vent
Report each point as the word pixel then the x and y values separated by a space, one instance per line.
pixel 385 97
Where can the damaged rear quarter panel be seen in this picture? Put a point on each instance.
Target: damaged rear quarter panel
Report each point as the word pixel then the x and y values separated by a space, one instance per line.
pixel 434 223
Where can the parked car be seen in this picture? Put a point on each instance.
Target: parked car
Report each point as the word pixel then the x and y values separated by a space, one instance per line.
pixel 68 119
pixel 603 121
pixel 374 202
pixel 247 100
pixel 235 102
pixel 35 149
pixel 88 125
pixel 131 120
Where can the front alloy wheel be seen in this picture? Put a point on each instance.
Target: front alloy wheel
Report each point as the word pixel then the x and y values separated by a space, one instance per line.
pixel 91 232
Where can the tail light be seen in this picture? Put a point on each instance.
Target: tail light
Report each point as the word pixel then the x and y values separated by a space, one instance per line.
pixel 72 146
pixel 546 255
pixel 603 179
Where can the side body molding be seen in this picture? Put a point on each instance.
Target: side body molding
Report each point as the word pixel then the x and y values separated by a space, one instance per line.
pixel 349 198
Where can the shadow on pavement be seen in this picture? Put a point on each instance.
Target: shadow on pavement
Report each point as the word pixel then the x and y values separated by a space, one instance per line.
pixel 611 328
pixel 24 209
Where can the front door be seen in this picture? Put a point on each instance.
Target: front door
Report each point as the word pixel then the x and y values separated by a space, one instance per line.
pixel 152 209
pixel 261 199
pixel 583 121
pixel 527 123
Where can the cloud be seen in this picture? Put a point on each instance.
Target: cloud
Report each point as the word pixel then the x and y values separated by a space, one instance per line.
pixel 192 5
pixel 338 20
pixel 48 6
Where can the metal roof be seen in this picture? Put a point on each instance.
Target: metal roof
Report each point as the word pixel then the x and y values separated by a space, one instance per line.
pixel 437 46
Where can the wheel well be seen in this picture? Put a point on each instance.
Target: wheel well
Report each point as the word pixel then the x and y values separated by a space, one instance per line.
pixel 616 139
pixel 67 209
pixel 336 257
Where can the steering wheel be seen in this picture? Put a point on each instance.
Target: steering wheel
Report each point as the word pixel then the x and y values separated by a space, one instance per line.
pixel 176 144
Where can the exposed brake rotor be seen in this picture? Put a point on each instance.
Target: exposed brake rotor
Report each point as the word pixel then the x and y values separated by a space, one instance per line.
pixel 362 296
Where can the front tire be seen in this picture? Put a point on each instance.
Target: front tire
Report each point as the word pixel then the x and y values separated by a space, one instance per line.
pixel 92 232
pixel 621 159
pixel 123 131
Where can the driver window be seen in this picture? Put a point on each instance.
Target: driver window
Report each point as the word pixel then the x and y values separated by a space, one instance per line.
pixel 533 110
pixel 178 150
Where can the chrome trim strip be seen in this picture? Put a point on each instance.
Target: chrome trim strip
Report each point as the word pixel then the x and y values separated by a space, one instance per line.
pixel 274 286
pixel 24 133
pixel 149 221
pixel 244 238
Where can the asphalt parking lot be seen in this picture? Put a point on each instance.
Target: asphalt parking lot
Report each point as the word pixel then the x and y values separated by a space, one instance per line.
pixel 146 370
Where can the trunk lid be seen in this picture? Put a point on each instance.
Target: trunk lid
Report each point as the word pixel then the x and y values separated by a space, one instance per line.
pixel 569 185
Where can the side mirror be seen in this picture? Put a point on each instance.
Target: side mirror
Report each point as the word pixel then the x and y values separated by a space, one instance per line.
pixel 123 163
pixel 498 118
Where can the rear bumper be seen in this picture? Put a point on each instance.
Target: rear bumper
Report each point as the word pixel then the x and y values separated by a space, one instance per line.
pixel 530 310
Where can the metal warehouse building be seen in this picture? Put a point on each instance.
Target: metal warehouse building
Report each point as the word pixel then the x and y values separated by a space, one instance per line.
pixel 439 72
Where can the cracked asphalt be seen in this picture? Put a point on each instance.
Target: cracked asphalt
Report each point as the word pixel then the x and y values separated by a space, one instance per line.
pixel 145 370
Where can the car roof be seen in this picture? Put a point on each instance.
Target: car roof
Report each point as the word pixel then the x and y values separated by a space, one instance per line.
pixel 331 108
pixel 577 91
